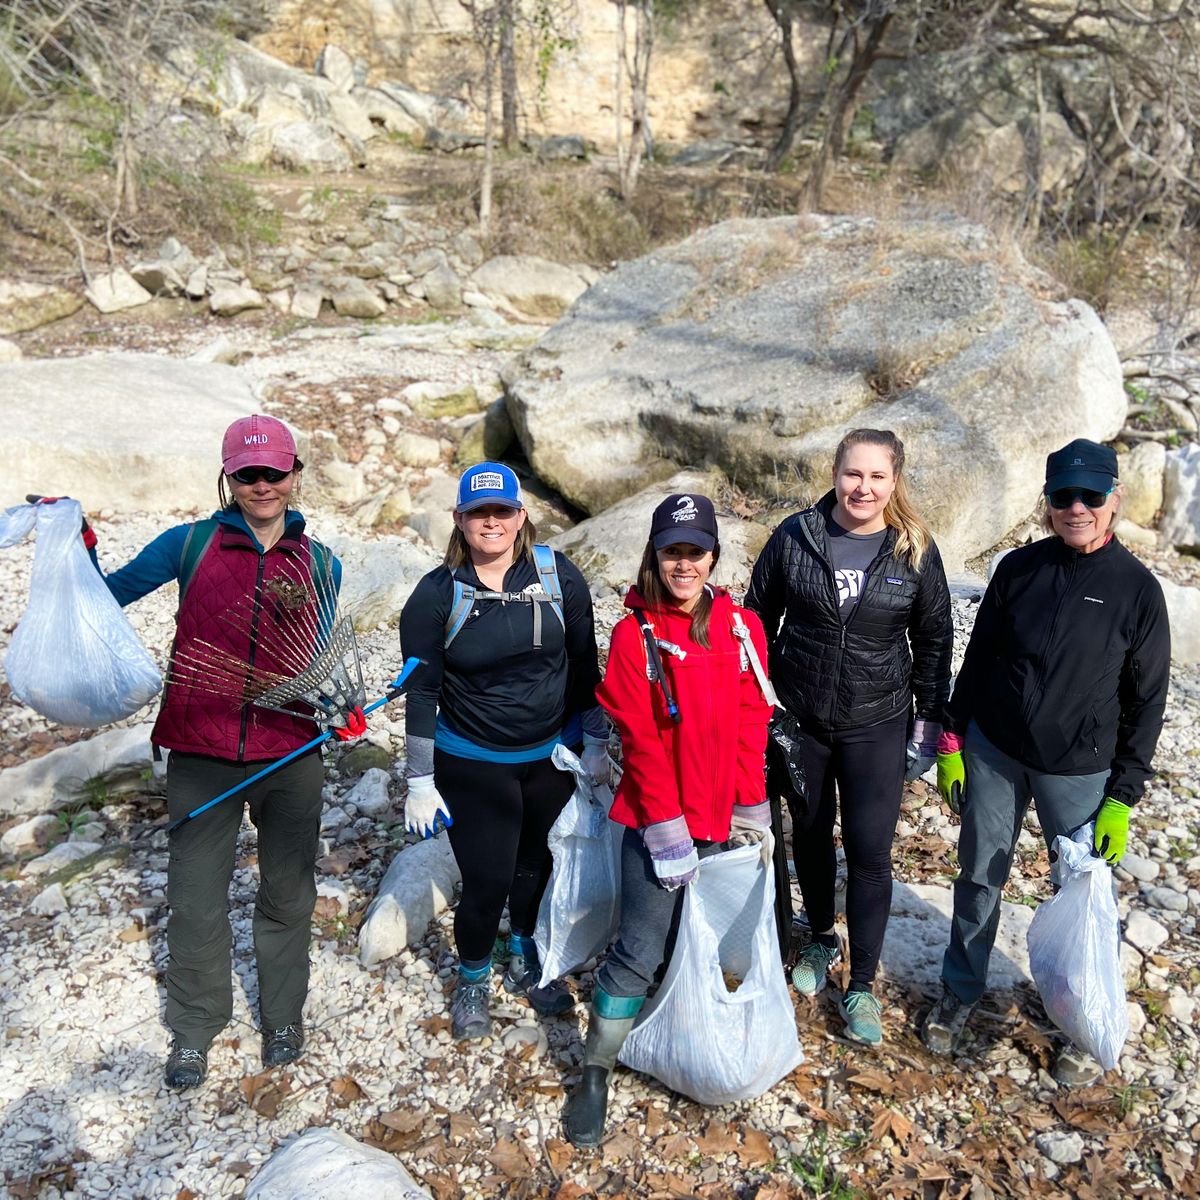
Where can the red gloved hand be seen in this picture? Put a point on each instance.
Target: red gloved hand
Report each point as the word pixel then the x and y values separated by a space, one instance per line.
pixel 355 727
pixel 86 532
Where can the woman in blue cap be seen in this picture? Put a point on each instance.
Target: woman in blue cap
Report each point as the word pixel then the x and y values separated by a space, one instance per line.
pixel 505 629
pixel 1060 700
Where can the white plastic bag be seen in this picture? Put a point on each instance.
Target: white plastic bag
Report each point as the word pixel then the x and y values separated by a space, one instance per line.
pixel 74 657
pixel 695 1035
pixel 581 907
pixel 1075 952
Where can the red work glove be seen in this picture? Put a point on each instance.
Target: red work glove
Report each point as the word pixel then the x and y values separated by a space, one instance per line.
pixel 86 532
pixel 355 727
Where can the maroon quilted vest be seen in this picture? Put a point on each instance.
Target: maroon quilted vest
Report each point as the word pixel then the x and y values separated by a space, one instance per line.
pixel 225 597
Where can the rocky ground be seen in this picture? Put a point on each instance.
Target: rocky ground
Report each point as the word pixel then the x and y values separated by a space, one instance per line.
pixel 81 961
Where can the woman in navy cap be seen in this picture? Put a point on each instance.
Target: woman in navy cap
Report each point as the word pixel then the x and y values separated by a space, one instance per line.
pixel 1060 700
pixel 505 630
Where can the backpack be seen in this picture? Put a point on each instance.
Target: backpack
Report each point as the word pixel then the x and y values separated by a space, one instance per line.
pixel 466 594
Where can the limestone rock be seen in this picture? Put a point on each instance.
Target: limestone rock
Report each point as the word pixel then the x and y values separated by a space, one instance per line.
pixel 158 277
pixel 309 146
pixel 383 109
pixel 416 450
pixel 25 305
pixel 1183 614
pixel 358 299
pixel 326 1164
pixel 418 885
pixel 528 286
pixel 307 302
pixel 61 855
pixel 379 577
pixel 1180 525
pixel 370 794
pixel 1144 870
pixel 443 288
pixel 342 482
pixel 426 109
pixel 9 351
pixel 562 148
pixel 754 345
pixel 116 291
pixel 608 548
pixel 34 834
pixel 334 64
pixel 152 425
pixel 435 401
pixel 1142 471
pixel 49 902
pixel 1144 931
pixel 1061 1148
pixel 229 299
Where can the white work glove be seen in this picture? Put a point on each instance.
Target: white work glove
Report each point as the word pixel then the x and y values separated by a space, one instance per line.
pixel 424 807
pixel 595 761
pixel 921 752
pixel 751 826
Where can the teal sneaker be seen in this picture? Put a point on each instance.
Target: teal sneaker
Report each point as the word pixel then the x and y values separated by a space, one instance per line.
pixel 813 964
pixel 861 1011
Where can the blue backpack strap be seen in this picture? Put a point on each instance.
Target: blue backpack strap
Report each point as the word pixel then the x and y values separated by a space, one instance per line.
pixel 460 610
pixel 547 569
pixel 199 538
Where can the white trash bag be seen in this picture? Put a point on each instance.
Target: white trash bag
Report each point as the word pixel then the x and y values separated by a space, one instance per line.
pixel 74 657
pixel 581 907
pixel 1075 952
pixel 695 1035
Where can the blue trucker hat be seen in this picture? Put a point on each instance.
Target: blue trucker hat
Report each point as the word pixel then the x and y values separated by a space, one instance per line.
pixel 488 483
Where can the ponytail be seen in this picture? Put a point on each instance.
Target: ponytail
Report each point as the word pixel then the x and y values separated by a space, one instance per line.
pixel 912 534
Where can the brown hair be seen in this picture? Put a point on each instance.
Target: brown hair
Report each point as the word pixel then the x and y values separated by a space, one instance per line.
pixel 227 501
pixel 650 584
pixel 458 553
pixel 913 536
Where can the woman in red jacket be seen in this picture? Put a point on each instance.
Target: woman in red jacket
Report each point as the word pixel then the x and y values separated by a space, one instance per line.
pixel 693 738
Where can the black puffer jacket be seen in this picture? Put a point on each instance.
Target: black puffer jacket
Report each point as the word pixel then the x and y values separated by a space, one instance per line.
pixel 858 674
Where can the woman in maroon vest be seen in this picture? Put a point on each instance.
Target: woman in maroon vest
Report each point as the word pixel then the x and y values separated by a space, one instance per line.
pixel 235 571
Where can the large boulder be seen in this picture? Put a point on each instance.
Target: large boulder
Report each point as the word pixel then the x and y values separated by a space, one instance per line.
pixel 1183 614
pixel 379 576
pixel 608 548
pixel 527 286
pixel 1180 525
pixel 25 305
pixel 755 345
pixel 148 437
pixel 1141 471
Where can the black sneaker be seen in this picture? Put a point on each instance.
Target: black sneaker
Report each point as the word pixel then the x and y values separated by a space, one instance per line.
pixel 186 1068
pixel 469 1017
pixel 521 980
pixel 1075 1068
pixel 945 1022
pixel 282 1046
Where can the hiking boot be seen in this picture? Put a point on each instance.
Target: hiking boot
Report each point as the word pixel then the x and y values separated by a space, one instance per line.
pixel 1075 1068
pixel 587 1108
pixel 186 1068
pixel 813 964
pixel 861 1010
pixel 945 1022
pixel 469 1017
pixel 282 1046
pixel 521 980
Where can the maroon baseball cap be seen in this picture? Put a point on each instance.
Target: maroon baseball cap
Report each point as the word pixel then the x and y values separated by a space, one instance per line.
pixel 258 441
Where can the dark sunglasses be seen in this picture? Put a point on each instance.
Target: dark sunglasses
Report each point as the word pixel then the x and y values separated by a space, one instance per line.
pixel 254 474
pixel 1065 497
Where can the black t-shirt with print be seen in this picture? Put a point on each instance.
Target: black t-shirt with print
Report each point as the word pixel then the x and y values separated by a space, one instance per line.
pixel 850 555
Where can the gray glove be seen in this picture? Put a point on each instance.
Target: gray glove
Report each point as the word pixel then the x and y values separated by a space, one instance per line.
pixel 672 851
pixel 921 752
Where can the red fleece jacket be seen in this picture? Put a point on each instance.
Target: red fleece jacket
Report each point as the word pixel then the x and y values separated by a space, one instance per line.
pixel 713 759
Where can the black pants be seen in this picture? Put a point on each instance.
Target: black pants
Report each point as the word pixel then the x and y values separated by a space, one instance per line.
pixel 286 809
pixel 502 814
pixel 867 766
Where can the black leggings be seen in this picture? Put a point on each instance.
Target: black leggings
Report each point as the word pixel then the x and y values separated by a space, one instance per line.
pixel 502 814
pixel 867 766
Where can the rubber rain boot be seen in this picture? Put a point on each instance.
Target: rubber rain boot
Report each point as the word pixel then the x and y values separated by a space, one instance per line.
pixel 612 1018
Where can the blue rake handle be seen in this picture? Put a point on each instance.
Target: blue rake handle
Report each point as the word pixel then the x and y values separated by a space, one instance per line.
pixel 395 689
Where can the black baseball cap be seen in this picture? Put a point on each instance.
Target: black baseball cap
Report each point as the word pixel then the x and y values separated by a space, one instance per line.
pixel 684 519
pixel 1081 464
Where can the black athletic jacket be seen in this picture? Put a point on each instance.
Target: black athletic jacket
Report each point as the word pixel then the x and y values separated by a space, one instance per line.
pixel 491 685
pixel 1068 664
pixel 858 674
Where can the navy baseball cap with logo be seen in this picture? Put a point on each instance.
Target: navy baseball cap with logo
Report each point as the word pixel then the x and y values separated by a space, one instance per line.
pixel 1081 464
pixel 684 520
pixel 488 483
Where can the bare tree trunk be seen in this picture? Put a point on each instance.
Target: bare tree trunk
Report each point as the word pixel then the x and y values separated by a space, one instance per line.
pixel 489 141
pixel 1037 156
pixel 639 75
pixel 619 99
pixel 508 74
pixel 782 13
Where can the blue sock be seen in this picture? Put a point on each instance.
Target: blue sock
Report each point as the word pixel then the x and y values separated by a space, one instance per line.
pixel 473 970
pixel 526 947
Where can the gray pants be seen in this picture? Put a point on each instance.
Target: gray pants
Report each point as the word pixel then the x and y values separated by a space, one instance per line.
pixel 286 809
pixel 649 922
pixel 998 792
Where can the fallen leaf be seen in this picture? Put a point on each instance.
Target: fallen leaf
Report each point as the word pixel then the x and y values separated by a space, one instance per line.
pixel 345 1091
pixel 890 1120
pixel 914 1083
pixel 677 1145
pixel 463 1126
pixel 185 1193
pixel 1034 1041
pixel 264 1092
pixel 443 1187
pixel 1175 1164
pixel 619 1148
pixel 1088 1119
pixel 756 1148
pixel 435 1025
pixel 656 1122
pixel 509 1158
pixel 326 909
pixel 872 1080
pixel 135 933
pixel 717 1140
pixel 403 1120
pixel 560 1154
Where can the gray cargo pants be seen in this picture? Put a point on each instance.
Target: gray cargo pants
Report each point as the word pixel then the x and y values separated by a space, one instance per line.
pixel 286 809
pixel 998 792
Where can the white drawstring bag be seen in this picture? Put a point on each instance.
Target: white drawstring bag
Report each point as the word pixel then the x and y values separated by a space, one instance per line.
pixel 74 657
pixel 697 1036
pixel 581 907
pixel 1074 944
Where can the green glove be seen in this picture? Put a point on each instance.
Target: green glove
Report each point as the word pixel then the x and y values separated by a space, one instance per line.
pixel 1112 830
pixel 952 780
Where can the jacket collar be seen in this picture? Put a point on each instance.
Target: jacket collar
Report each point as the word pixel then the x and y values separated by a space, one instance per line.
pixel 635 602
pixel 231 519
pixel 815 518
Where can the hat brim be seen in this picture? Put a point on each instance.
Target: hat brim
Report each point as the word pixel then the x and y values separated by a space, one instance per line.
pixel 279 460
pixel 480 500
pixel 1094 481
pixel 684 537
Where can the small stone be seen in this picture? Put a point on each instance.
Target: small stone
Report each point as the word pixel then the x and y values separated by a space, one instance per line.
pixel 1168 898
pixel 1137 1017
pixel 1131 966
pixel 62 855
pixel 526 1035
pixel 1142 869
pixel 116 291
pixel 229 299
pixel 1061 1148
pixel 49 902
pixel 33 834
pixel 1181 1007
pixel 1144 931
pixel 370 794
pixel 330 889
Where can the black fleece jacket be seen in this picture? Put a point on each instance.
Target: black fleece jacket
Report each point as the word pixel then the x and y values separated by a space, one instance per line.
pixel 850 676
pixel 1068 664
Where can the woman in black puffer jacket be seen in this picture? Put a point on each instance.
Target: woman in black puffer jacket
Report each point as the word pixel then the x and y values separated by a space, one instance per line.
pixel 853 598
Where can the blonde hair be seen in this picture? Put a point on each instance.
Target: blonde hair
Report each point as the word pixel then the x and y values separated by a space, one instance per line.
pixel 655 594
pixel 458 553
pixel 1041 512
pixel 912 534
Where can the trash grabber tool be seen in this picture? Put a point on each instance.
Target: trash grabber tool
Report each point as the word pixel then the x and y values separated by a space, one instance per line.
pixel 395 689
